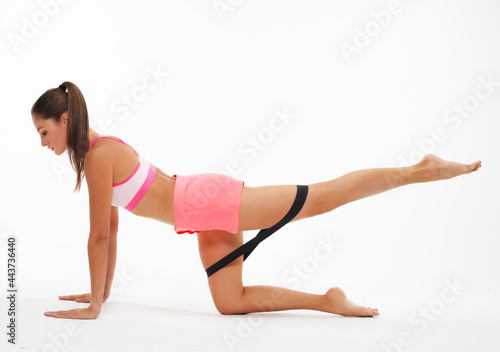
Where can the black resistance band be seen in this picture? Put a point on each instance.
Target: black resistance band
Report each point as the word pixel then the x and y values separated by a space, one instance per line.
pixel 248 247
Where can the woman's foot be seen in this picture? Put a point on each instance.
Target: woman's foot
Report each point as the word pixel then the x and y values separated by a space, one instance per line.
pixel 338 303
pixel 440 169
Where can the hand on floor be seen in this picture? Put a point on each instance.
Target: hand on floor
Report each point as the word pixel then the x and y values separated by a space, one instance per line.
pixel 79 313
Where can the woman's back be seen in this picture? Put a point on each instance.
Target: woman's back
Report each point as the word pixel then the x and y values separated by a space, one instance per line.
pixel 138 185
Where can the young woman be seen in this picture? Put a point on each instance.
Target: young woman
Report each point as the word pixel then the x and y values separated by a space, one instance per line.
pixel 216 207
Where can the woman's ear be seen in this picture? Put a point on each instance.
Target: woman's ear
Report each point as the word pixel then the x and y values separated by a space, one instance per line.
pixel 64 118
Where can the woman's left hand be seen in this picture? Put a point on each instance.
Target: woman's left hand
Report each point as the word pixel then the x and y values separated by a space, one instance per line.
pixel 78 313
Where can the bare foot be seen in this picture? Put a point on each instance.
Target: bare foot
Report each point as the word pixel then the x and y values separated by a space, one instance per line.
pixel 440 169
pixel 338 303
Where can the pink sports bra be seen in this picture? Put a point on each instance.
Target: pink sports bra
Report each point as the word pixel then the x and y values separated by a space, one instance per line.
pixel 129 192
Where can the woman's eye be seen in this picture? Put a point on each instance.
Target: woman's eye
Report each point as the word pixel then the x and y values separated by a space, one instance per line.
pixel 44 133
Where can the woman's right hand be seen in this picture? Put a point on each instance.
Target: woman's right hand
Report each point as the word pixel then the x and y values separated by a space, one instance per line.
pixel 83 298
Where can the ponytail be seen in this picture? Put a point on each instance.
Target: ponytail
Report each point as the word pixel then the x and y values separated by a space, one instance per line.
pixel 55 102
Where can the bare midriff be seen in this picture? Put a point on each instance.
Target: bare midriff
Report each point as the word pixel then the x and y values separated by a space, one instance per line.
pixel 158 202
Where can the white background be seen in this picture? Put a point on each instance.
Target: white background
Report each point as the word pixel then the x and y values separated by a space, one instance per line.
pixel 225 74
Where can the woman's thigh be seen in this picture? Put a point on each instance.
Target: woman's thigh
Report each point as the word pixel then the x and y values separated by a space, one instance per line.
pixel 227 283
pixel 262 207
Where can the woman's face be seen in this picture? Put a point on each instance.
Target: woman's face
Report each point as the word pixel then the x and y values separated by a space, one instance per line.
pixel 52 134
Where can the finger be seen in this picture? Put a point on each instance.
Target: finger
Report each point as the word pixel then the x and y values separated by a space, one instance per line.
pixel 73 313
pixel 82 300
pixel 69 297
pixel 54 314
pixel 74 297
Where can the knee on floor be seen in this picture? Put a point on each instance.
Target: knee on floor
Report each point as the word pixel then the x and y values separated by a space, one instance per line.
pixel 228 306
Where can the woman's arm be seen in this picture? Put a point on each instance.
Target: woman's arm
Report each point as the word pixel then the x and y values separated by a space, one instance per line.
pixel 113 234
pixel 99 175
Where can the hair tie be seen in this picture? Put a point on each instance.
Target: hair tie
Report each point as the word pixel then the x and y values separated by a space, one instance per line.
pixel 63 88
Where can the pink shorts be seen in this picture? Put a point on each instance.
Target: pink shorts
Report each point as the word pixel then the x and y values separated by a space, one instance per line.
pixel 207 201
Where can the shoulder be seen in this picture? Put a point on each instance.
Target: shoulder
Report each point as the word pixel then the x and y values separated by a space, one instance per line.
pixel 99 160
pixel 98 169
pixel 98 153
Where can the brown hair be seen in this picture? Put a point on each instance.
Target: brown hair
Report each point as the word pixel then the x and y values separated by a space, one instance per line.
pixel 55 102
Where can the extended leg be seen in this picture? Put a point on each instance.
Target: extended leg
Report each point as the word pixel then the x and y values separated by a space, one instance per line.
pixel 356 185
pixel 261 207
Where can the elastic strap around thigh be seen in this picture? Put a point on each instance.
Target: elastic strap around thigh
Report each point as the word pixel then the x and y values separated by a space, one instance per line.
pixel 248 247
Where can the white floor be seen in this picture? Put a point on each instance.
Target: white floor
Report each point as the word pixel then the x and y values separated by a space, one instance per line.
pixel 469 323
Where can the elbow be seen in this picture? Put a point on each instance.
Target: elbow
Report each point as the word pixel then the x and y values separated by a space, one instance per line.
pixel 100 239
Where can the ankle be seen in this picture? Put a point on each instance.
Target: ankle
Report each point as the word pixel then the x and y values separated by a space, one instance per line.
pixel 421 172
pixel 324 303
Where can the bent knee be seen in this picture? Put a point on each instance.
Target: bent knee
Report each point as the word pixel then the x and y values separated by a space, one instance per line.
pixel 319 201
pixel 323 208
pixel 228 306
